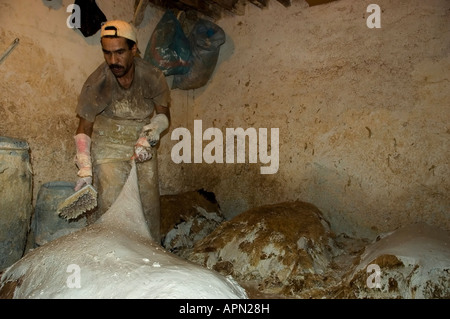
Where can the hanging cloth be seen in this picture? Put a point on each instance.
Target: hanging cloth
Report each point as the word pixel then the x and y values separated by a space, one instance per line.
pixel 91 17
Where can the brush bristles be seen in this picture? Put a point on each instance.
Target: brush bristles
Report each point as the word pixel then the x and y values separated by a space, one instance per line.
pixel 80 202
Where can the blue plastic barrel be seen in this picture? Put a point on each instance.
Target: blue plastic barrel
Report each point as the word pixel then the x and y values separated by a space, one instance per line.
pixel 47 225
pixel 15 199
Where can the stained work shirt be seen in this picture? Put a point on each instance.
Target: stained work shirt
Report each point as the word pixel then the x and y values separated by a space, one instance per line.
pixel 102 94
pixel 119 113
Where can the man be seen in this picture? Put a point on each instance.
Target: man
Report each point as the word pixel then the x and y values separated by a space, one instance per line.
pixel 115 110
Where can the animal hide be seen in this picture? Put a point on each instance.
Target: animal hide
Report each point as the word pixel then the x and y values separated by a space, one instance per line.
pixel 113 258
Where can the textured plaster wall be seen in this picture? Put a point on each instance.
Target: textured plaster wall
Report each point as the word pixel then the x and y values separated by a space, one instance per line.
pixel 362 113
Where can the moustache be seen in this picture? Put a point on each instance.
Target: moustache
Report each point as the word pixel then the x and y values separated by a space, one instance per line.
pixel 116 67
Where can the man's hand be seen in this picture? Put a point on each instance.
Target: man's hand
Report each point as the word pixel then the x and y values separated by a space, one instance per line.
pixel 152 131
pixel 82 181
pixel 142 150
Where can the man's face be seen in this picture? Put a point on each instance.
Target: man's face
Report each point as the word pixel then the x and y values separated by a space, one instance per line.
pixel 117 55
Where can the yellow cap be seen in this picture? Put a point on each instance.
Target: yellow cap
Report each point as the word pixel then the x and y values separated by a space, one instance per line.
pixel 118 28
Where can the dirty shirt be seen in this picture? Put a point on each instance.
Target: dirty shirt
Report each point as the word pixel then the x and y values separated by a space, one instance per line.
pixel 102 94
pixel 119 114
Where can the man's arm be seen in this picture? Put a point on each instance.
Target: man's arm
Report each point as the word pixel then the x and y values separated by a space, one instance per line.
pixel 159 109
pixel 85 127
pixel 83 156
pixel 150 133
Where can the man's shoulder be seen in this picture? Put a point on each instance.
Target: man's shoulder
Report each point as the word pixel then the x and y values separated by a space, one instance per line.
pixel 146 66
pixel 99 75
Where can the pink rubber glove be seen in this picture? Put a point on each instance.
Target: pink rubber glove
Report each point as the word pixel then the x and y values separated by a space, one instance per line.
pixel 83 160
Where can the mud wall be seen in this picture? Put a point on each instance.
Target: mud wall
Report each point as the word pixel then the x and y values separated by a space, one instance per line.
pixel 362 112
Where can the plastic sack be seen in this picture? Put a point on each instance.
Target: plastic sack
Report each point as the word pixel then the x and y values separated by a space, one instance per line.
pixel 205 40
pixel 168 47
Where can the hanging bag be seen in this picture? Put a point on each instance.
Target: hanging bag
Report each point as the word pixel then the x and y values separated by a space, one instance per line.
pixel 205 40
pixel 168 47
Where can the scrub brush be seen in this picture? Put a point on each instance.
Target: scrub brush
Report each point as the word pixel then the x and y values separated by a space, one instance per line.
pixel 78 203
